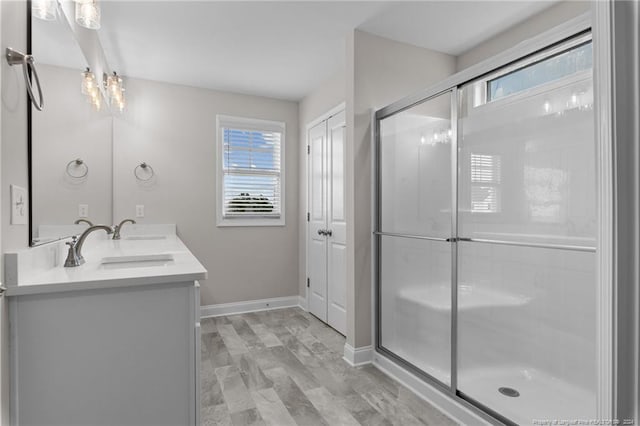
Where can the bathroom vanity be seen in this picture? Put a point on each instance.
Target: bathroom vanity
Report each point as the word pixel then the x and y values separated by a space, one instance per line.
pixel 112 342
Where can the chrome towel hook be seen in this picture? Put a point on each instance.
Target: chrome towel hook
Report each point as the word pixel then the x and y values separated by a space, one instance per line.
pixel 18 58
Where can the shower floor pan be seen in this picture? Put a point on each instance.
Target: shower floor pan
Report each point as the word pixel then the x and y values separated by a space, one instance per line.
pixel 541 396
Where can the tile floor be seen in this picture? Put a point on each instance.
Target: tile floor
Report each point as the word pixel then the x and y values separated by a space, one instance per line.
pixel 285 367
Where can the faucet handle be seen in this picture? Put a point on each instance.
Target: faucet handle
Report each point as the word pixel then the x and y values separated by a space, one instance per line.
pixel 73 242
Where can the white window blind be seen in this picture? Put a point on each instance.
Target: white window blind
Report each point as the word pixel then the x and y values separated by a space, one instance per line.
pixel 485 183
pixel 251 154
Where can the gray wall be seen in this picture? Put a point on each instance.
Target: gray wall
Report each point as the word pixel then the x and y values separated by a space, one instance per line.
pixel 14 121
pixel 543 21
pixel 328 95
pixel 173 128
pixel 379 71
pixel 13 158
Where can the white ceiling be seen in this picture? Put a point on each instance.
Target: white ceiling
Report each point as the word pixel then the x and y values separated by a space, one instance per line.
pixel 281 49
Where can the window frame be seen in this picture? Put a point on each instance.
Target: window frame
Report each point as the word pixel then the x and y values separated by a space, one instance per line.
pixel 244 123
pixel 481 84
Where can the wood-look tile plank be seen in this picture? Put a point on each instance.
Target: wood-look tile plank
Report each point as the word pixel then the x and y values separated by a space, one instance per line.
pixel 298 405
pixel 235 345
pixel 330 407
pixel 265 335
pixel 251 373
pixel 271 408
pixel 246 333
pixel 250 417
pixel 235 393
pixel 215 415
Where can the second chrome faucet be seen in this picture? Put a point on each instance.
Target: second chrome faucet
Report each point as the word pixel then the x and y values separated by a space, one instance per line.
pixel 118 228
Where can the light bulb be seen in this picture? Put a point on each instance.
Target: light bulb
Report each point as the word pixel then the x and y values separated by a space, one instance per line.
pixel 44 9
pixel 88 14
pixel 547 107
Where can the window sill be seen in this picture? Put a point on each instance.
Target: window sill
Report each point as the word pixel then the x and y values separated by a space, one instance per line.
pixel 246 222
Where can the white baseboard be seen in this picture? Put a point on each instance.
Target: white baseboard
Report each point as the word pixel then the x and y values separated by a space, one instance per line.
pixel 458 412
pixel 248 306
pixel 302 302
pixel 358 356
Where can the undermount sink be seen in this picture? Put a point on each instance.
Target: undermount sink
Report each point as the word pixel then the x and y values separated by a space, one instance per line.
pixel 136 261
pixel 145 237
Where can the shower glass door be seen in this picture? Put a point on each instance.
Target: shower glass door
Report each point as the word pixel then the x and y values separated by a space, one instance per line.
pixel 414 229
pixel 527 230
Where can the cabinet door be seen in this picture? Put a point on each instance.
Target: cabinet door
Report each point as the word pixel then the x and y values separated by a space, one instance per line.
pixel 337 225
pixel 317 242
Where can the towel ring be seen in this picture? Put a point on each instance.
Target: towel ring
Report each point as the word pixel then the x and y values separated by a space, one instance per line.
pixel 18 58
pixel 77 168
pixel 143 168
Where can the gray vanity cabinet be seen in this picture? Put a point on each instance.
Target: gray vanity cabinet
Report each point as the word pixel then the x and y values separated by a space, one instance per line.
pixel 108 356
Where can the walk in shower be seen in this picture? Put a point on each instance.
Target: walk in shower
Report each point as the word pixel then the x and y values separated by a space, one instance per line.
pixel 486 237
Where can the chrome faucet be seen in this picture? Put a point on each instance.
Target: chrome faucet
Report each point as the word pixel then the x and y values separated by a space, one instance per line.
pixel 118 228
pixel 87 221
pixel 74 257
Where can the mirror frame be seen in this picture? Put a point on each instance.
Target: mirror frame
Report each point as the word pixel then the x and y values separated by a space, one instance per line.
pixel 31 242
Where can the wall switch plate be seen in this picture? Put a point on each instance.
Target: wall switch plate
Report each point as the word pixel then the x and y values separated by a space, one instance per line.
pixel 18 205
pixel 83 210
pixel 139 210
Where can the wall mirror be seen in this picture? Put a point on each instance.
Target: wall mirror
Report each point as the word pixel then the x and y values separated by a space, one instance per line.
pixel 71 139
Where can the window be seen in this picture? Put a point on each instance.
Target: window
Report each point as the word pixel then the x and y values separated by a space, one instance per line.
pixel 485 183
pixel 569 62
pixel 250 172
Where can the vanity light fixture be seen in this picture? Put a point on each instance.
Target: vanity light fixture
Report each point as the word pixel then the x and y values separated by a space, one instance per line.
pixel 115 89
pixel 88 14
pixel 44 9
pixel 90 88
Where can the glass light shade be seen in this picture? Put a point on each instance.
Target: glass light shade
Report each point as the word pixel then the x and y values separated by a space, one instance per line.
pixel 88 14
pixel 88 82
pixel 44 9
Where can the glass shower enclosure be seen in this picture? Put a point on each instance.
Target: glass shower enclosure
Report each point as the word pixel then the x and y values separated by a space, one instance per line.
pixel 486 238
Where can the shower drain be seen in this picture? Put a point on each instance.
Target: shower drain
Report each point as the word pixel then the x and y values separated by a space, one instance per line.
pixel 509 392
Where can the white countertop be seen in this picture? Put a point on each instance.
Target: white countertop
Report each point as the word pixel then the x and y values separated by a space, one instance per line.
pixel 94 275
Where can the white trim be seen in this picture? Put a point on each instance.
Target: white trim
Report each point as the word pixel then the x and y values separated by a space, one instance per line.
pixel 603 117
pixel 357 357
pixel 323 117
pixel 443 402
pixel 302 302
pixel 248 306
pixel 249 124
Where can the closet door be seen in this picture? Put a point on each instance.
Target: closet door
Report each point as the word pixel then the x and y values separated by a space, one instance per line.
pixel 316 240
pixel 337 226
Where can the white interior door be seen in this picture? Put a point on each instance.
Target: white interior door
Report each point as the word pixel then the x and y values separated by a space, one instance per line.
pixel 336 225
pixel 316 240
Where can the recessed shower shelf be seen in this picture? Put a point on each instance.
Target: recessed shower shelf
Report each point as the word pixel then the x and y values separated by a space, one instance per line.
pixel 439 297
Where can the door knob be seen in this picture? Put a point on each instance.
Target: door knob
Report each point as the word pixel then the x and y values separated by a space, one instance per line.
pixel 328 232
pixel 321 232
